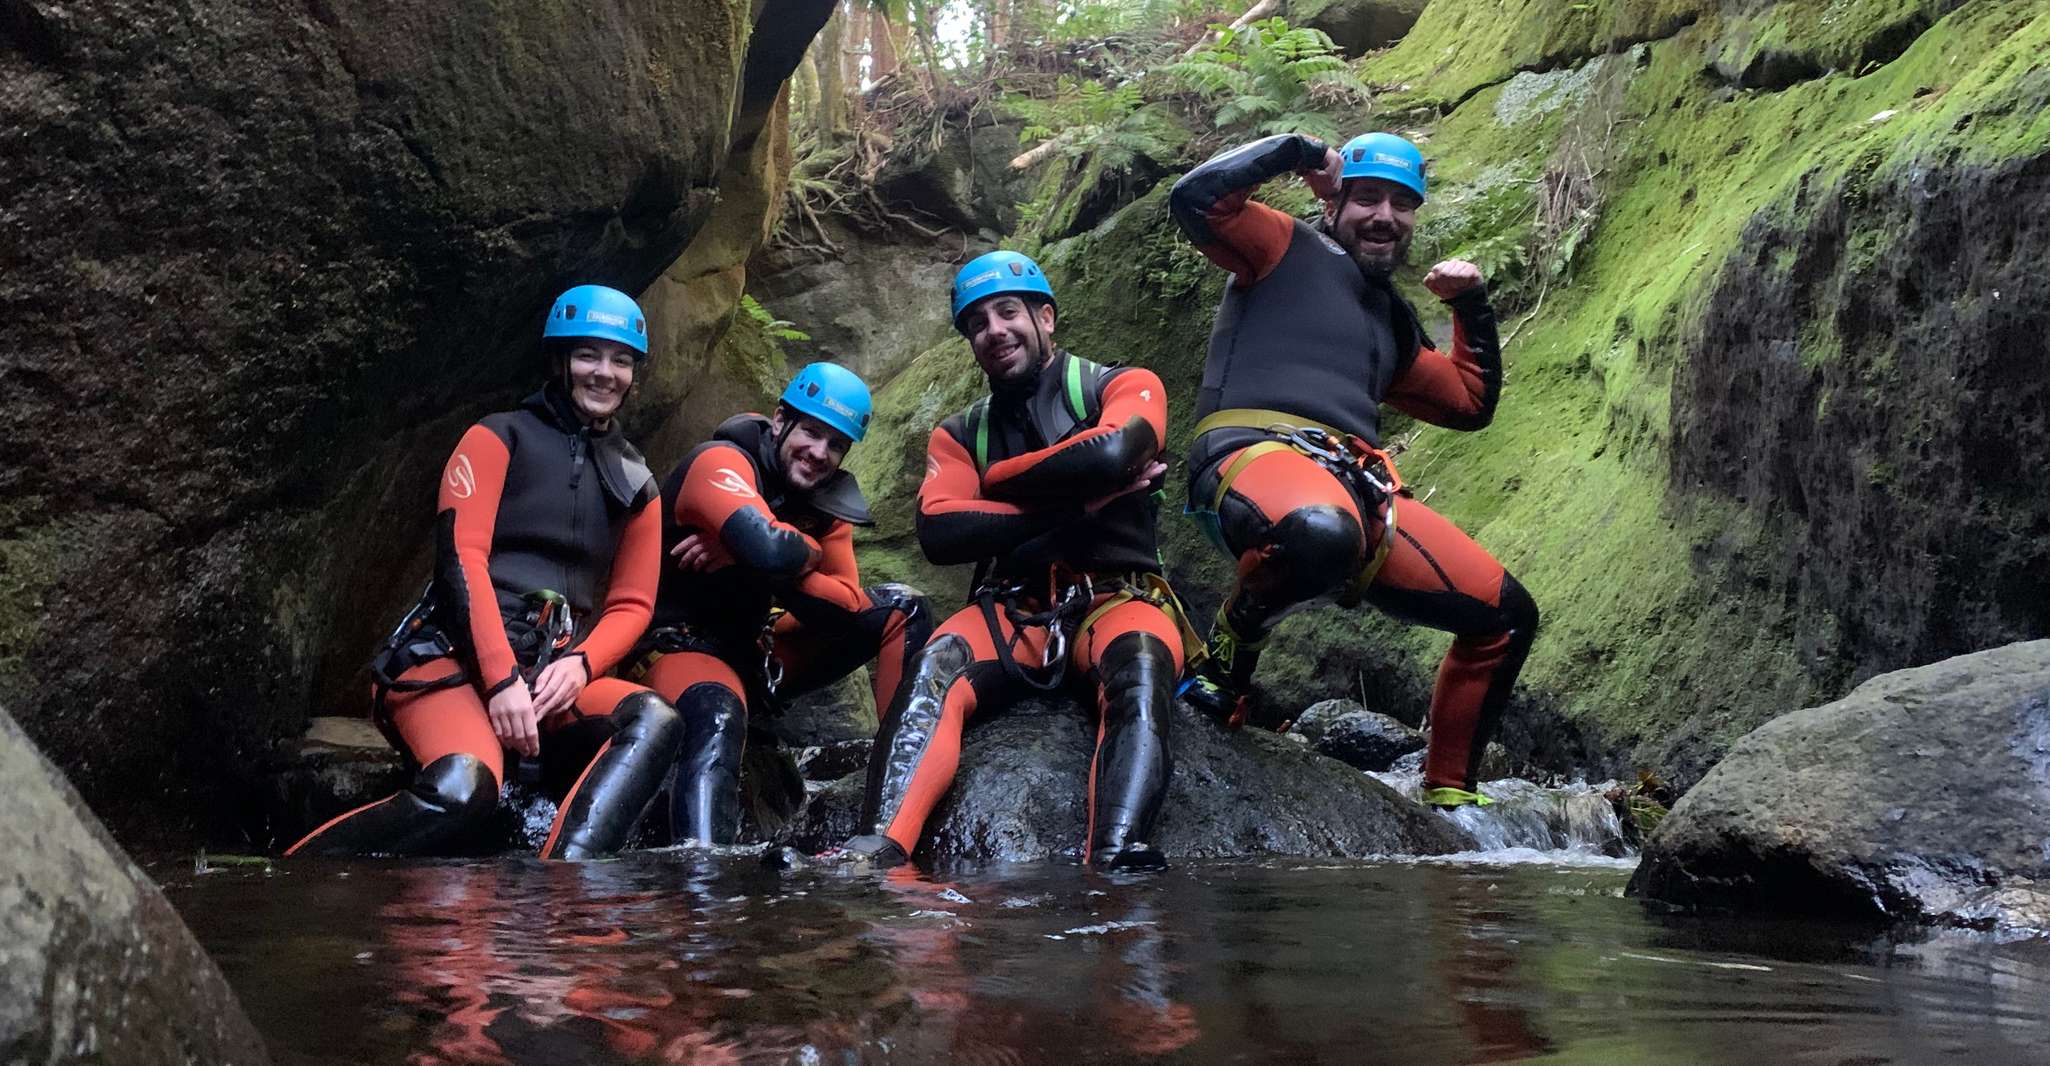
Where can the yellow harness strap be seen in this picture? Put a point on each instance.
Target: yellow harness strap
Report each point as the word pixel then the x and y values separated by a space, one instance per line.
pixel 1283 423
pixel 1153 589
pixel 1260 418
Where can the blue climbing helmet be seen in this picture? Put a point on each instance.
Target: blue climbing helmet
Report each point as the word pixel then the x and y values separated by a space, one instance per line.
pixel 596 311
pixel 998 272
pixel 832 394
pixel 1384 156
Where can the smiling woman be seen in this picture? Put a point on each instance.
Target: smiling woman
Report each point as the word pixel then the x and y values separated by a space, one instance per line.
pixel 527 612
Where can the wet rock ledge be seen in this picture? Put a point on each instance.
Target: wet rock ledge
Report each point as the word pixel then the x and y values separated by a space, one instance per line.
pixel 1022 794
pixel 1924 795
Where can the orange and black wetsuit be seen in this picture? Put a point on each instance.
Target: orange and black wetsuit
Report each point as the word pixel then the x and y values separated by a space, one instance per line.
pixel 790 549
pixel 532 500
pixel 1305 340
pixel 1005 485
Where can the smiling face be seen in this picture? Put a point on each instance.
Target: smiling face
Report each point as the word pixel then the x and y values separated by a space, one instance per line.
pixel 1001 330
pixel 1374 221
pixel 811 451
pixel 599 374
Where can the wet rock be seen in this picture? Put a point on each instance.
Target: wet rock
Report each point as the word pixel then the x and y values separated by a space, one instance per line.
pixel 95 965
pixel 1356 736
pixel 1021 794
pixel 1924 795
pixel 340 764
pixel 1357 26
pixel 319 241
pixel 831 762
pixel 844 710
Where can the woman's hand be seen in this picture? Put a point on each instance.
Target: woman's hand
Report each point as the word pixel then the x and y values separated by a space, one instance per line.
pixel 559 685
pixel 514 719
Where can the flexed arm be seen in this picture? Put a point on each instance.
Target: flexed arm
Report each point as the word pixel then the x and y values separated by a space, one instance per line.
pixel 1457 390
pixel 1211 203
pixel 1105 457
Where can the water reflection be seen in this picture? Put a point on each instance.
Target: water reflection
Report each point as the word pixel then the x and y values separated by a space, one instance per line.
pixel 689 958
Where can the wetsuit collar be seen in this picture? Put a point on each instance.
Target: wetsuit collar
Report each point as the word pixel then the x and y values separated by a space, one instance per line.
pixel 552 402
pixel 623 473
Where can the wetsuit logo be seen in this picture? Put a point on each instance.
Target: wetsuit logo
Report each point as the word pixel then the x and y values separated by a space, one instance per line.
pixel 729 480
pixel 1330 245
pixel 932 468
pixel 462 481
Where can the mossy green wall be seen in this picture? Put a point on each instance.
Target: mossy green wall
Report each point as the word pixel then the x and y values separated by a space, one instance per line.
pixel 1675 616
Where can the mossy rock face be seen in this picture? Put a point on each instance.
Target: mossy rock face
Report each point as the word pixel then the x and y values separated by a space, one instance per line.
pixel 1356 26
pixel 265 267
pixel 1772 395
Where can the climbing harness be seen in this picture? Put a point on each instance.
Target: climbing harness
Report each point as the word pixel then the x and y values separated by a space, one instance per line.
pixel 1366 471
pixel 543 630
pixel 1078 603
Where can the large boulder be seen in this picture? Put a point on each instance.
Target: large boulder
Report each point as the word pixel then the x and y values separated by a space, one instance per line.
pixel 1022 794
pixel 263 262
pixel 95 966
pixel 1924 795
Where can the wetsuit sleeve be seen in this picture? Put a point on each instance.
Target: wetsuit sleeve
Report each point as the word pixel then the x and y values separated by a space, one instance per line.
pixel 721 494
pixel 1212 204
pixel 1457 391
pixel 837 581
pixel 1099 460
pixel 471 486
pixel 630 596
pixel 956 523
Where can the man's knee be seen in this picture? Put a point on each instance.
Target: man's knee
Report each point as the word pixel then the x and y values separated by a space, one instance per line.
pixel 645 718
pixel 1315 549
pixel 459 787
pixel 1519 611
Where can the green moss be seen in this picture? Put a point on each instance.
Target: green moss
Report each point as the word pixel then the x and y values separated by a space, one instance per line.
pixel 1656 639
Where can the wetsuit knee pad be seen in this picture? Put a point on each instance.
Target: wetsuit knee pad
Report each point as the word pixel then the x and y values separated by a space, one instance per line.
pixel 908 725
pixel 1138 674
pixel 646 718
pixel 1519 611
pixel 709 714
pixel 1316 549
pixel 459 786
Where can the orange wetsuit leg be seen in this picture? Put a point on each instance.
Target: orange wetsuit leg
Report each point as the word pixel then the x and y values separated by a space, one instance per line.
pixel 1132 656
pixel 918 744
pixel 1436 575
pixel 459 764
pixel 1295 529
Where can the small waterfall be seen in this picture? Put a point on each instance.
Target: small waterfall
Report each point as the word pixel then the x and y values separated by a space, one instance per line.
pixel 1575 819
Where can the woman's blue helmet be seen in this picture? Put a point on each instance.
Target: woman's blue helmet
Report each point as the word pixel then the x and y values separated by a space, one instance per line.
pixel 596 311
pixel 1384 156
pixel 832 394
pixel 998 272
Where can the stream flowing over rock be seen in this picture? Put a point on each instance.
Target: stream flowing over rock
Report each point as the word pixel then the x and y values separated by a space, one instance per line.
pixel 1924 795
pixel 95 966
pixel 1022 794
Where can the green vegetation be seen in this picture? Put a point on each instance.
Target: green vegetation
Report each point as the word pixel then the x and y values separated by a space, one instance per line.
pixel 1610 165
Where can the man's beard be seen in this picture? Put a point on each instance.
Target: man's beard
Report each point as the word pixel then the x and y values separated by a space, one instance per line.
pixel 1379 264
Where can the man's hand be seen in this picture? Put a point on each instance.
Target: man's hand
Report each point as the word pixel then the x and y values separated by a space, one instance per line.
pixel 1452 277
pixel 698 553
pixel 513 719
pixel 1145 479
pixel 559 685
pixel 1326 182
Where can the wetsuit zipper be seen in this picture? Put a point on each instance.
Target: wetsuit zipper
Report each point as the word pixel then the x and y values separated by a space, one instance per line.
pixel 578 442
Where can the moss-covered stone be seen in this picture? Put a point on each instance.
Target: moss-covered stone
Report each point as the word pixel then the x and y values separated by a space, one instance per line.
pixel 1768 425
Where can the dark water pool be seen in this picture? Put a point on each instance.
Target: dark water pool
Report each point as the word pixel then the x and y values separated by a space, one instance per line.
pixel 693 958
